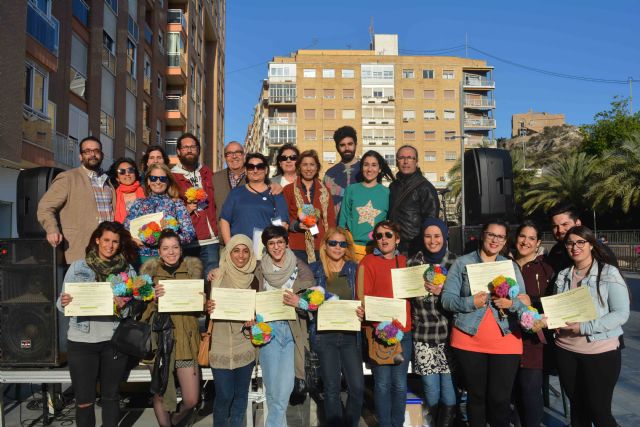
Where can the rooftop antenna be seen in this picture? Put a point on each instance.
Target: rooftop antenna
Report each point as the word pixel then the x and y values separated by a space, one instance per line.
pixel 466 46
pixel 371 33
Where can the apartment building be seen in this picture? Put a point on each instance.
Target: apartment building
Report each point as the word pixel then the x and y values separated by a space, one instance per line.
pixel 524 124
pixel 430 102
pixel 133 72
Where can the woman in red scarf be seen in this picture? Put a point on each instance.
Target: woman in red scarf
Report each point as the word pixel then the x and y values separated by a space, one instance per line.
pixel 126 180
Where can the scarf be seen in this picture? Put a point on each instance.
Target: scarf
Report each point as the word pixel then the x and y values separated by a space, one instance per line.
pixel 121 207
pixel 430 257
pixel 277 279
pixel 103 268
pixel 231 276
pixel 324 206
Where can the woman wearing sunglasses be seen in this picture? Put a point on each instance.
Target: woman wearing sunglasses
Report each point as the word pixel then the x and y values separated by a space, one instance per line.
pixel 286 165
pixel 486 342
pixel 163 195
pixel 374 279
pixel 339 352
pixel 588 353
pixel 308 192
pixel 126 180
pixel 252 207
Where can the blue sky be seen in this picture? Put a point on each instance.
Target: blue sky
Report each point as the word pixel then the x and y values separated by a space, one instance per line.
pixel 587 38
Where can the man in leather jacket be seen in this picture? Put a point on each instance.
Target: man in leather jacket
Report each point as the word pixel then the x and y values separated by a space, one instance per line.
pixel 412 200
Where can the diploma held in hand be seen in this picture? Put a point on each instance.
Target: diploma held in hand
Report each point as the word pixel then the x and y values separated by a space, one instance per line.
pixel 408 282
pixel 482 273
pixel 378 309
pixel 89 299
pixel 181 296
pixel 339 315
pixel 575 305
pixel 270 306
pixel 234 304
pixel 136 224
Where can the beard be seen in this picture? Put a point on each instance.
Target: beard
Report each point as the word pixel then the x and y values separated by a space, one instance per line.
pixel 190 160
pixel 347 156
pixel 92 163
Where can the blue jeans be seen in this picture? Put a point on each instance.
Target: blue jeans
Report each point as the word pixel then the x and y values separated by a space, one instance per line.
pixel 340 352
pixel 438 388
pixel 278 374
pixel 232 390
pixel 390 389
pixel 208 254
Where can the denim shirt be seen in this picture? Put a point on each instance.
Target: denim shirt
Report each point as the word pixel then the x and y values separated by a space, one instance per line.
pixel 456 297
pixel 612 311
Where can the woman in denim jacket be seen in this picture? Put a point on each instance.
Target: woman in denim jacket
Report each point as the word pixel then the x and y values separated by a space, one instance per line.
pixel 588 353
pixel 91 355
pixel 486 342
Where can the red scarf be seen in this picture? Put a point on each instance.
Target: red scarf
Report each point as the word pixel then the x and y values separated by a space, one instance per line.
pixel 121 209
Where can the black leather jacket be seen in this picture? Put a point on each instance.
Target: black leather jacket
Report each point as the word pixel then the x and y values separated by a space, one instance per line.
pixel 409 211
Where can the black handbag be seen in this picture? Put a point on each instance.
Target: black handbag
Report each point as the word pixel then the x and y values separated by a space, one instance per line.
pixel 133 338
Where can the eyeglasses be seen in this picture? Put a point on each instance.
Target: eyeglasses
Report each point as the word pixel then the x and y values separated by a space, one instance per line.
pixel 401 158
pixel 189 148
pixel 256 166
pixel 233 153
pixel 124 171
pixel 387 234
pixel 90 151
pixel 334 243
pixel 579 243
pixel 293 158
pixel 162 179
pixel 274 243
pixel 496 237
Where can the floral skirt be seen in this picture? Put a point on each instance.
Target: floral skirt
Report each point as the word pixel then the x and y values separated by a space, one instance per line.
pixel 429 359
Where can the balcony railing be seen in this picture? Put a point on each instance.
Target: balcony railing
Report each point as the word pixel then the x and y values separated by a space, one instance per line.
pixel 108 60
pixel 480 102
pixel 148 34
pixel 472 80
pixel 175 103
pixel 377 99
pixel 36 128
pixel 286 120
pixel 170 146
pixel 44 29
pixel 177 60
pixel 378 121
pixel 375 140
pixel 81 11
pixel 146 135
pixel 479 123
pixel 277 99
pixel 65 150
pixel 280 140
pixel 176 16
pixel 147 85
pixel 132 84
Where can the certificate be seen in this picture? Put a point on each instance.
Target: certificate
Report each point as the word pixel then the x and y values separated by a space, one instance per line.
pixel 233 304
pixel 270 306
pixel 408 282
pixel 89 299
pixel 575 305
pixel 136 224
pixel 482 273
pixel 181 296
pixel 339 315
pixel 379 309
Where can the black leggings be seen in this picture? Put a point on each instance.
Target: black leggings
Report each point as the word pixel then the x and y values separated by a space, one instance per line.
pixel 589 380
pixel 489 380
pixel 89 362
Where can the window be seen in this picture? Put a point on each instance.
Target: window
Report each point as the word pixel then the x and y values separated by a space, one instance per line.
pixel 78 69
pixel 37 83
pixel 282 70
pixel 113 4
pixel 348 74
pixel 146 115
pixel 161 40
pixel 309 93
pixel 408 115
pixel 131 58
pixel 309 135
pixel 449 94
pixel 427 74
pixel 329 94
pixel 329 114
pixel 310 114
pixel 450 156
pixel 282 92
pixel 429 135
pixel 429 94
pixel 448 74
pixel 408 74
pixel 429 156
pixel 309 73
pixel 329 156
pixel 106 124
pixel 348 114
pixel 130 139
pixel 429 114
pixel 409 135
pixel 327 135
pixel 348 93
pixel 132 28
pixel 328 73
pixel 108 52
pixel 408 93
pixel 377 93
pixel 147 73
pixel 449 114
pixel 160 86
pixel 449 135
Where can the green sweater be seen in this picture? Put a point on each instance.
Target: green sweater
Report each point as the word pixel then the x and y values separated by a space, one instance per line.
pixel 362 208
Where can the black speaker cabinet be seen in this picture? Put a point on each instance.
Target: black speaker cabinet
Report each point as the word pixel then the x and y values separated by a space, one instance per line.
pixel 31 272
pixel 488 185
pixel 32 184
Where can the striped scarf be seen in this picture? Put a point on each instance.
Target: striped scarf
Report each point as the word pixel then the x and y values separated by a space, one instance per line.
pixel 324 206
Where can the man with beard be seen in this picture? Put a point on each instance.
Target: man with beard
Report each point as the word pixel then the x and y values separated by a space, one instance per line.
pixel 190 173
pixel 412 199
pixel 81 198
pixel 230 177
pixel 339 176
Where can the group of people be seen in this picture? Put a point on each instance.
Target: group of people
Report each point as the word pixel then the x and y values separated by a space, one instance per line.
pixel 345 234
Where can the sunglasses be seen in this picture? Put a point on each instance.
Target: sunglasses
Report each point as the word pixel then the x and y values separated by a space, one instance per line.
pixel 387 234
pixel 256 166
pixel 334 243
pixel 126 171
pixel 293 158
pixel 162 179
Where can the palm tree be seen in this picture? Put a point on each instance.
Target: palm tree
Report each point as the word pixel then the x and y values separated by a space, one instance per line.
pixel 619 176
pixel 568 179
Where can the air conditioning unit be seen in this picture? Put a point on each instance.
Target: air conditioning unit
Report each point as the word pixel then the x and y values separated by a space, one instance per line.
pixel 385 123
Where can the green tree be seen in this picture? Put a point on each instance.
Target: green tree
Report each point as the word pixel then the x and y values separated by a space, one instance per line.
pixel 610 128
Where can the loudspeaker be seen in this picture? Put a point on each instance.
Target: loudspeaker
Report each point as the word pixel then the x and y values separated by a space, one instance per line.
pixel 32 184
pixel 488 186
pixel 31 272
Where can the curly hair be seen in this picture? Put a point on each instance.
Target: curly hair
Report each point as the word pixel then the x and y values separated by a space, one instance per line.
pixel 126 247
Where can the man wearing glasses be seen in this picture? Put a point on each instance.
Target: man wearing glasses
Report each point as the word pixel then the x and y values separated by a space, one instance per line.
pixel 190 173
pixel 81 198
pixel 412 199
pixel 230 177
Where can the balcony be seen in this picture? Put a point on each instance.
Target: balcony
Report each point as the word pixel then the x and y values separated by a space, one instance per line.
pixel 132 84
pixel 65 150
pixel 279 99
pixel 170 146
pixel 176 68
pixel 479 103
pixel 36 128
pixel 147 85
pixel 146 135
pixel 382 121
pixel 473 81
pixel 148 34
pixel 81 11
pixel 278 141
pixel 108 60
pixel 176 20
pixel 379 140
pixel 176 110
pixel 377 99
pixel 479 123
pixel 45 29
pixel 285 120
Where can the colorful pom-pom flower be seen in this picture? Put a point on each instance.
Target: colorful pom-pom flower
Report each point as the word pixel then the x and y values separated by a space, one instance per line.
pixel 389 333
pixel 260 333
pixel 531 320
pixel 312 298
pixel 435 274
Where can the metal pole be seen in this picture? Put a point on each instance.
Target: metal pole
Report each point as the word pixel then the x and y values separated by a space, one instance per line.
pixel 462 215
